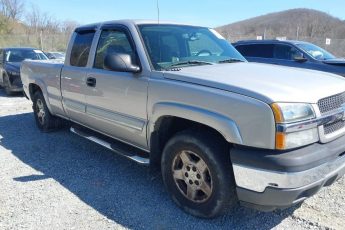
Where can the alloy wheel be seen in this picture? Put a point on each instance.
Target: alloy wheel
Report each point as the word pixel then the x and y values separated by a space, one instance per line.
pixel 40 111
pixel 192 176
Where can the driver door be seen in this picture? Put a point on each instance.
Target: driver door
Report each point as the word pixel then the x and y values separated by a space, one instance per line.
pixel 116 101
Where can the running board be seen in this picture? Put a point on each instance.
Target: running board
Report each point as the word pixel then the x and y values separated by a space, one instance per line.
pixel 118 147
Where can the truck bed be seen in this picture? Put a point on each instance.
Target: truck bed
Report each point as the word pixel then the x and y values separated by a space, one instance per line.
pixel 46 74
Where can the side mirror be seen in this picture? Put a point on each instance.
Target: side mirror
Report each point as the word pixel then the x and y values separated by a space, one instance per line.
pixel 120 62
pixel 299 57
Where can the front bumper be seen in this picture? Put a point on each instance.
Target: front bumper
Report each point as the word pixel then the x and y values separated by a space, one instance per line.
pixel 270 179
pixel 16 84
pixel 16 89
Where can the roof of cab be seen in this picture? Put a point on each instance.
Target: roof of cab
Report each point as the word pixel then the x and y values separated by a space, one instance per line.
pixel 130 21
pixel 19 48
pixel 271 41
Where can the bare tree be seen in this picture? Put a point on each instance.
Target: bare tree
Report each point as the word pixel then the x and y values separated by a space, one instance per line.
pixel 36 20
pixel 67 27
pixel 38 23
pixel 12 9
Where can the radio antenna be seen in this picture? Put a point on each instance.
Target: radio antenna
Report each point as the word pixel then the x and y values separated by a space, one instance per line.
pixel 158 10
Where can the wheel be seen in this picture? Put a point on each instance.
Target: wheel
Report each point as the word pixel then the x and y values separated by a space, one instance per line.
pixel 197 173
pixel 44 119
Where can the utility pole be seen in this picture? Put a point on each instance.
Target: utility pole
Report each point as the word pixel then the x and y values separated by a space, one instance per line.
pixel 297 33
pixel 41 39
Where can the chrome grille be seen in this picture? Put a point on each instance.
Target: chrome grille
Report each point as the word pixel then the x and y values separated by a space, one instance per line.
pixel 330 128
pixel 331 103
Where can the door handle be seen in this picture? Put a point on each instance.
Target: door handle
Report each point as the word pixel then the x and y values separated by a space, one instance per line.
pixel 90 81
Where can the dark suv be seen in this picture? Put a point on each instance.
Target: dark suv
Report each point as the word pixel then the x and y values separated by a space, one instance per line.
pixel 291 53
pixel 10 61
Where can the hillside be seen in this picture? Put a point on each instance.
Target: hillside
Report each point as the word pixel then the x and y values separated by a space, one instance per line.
pixel 302 24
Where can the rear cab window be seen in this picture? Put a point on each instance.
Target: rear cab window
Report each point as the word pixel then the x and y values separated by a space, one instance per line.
pixel 256 50
pixel 81 48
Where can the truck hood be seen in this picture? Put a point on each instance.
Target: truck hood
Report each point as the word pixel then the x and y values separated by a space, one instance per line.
pixel 337 61
pixel 268 83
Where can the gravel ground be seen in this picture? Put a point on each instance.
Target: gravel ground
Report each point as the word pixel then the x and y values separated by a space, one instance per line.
pixel 61 181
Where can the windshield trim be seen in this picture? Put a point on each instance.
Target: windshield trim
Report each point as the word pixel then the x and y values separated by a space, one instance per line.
pixel 144 47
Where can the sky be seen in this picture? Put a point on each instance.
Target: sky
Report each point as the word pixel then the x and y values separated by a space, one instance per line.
pixel 211 13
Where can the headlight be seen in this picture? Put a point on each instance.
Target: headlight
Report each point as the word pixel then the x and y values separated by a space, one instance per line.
pixel 287 113
pixel 292 112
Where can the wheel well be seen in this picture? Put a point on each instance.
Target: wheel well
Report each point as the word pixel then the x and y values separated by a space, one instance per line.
pixel 33 88
pixel 167 126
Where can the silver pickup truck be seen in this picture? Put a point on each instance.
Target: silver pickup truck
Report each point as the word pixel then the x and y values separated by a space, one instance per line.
pixel 182 98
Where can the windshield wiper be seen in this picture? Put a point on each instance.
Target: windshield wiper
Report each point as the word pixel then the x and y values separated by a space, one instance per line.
pixel 230 60
pixel 191 62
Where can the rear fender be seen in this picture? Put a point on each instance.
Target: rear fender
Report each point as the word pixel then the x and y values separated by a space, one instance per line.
pixel 40 83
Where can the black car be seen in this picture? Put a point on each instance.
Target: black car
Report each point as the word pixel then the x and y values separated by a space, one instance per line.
pixel 56 55
pixel 10 61
pixel 291 53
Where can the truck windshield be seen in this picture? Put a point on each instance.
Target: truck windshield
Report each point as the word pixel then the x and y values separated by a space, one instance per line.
pixel 20 55
pixel 170 46
pixel 315 51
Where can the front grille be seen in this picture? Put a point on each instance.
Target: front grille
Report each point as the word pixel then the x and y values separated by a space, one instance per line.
pixel 331 103
pixel 331 128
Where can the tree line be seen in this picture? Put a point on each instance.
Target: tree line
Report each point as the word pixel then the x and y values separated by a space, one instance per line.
pixel 26 25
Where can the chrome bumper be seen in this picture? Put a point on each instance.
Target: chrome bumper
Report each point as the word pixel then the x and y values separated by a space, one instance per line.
pixel 258 179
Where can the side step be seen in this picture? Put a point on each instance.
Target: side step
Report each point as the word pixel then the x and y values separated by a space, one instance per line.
pixel 125 150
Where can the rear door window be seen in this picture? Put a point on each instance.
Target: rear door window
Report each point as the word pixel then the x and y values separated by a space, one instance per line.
pixel 256 50
pixel 81 48
pixel 284 52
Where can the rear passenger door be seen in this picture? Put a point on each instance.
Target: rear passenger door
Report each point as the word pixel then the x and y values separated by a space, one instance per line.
pixel 284 55
pixel 73 75
pixel 262 53
pixel 116 102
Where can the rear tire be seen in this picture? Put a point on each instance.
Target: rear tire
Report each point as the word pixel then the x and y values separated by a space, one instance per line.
pixel 45 121
pixel 197 173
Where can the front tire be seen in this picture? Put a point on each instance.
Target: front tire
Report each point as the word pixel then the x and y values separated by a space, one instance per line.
pixel 45 121
pixel 197 173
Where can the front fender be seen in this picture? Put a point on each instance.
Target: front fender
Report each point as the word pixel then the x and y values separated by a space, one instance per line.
pixel 222 124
